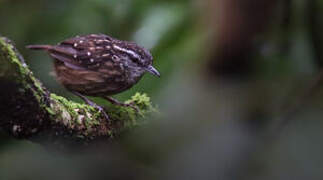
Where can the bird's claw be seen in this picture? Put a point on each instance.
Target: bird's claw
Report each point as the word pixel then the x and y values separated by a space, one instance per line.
pixel 118 103
pixel 102 111
pixel 94 105
pixel 133 106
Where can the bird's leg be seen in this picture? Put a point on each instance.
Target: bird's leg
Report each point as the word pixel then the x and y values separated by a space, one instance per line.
pixel 93 104
pixel 118 103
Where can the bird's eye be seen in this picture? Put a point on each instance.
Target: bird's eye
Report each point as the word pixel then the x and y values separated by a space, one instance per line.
pixel 135 59
pixel 115 57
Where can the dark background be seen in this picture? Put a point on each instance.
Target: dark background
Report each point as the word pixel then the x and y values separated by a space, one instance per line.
pixel 240 94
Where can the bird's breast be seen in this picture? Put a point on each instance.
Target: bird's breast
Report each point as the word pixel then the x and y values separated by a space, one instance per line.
pixel 106 80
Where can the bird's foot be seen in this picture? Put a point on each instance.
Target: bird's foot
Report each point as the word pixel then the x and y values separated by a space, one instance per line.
pixel 101 110
pixel 94 105
pixel 118 103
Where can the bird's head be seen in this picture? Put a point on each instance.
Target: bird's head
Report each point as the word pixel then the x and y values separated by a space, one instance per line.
pixel 140 58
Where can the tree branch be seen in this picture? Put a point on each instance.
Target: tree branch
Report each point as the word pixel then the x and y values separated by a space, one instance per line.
pixel 29 111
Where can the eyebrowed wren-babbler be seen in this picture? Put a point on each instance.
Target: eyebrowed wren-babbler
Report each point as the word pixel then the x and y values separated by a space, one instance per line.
pixel 99 65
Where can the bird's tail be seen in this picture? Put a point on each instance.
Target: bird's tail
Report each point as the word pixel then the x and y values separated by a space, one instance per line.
pixel 39 47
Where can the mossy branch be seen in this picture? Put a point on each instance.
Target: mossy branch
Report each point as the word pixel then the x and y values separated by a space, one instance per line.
pixel 28 110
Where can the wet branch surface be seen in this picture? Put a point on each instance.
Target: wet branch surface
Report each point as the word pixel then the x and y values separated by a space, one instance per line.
pixel 29 111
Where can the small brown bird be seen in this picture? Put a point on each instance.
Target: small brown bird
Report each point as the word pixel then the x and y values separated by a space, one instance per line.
pixel 99 65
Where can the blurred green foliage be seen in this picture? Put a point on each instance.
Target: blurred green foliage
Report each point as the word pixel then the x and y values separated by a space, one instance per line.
pixel 162 26
pixel 208 128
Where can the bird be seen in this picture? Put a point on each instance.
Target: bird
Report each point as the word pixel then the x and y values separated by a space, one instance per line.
pixel 99 65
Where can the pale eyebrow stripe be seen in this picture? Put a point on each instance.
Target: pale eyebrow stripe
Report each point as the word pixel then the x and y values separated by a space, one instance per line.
pixel 135 55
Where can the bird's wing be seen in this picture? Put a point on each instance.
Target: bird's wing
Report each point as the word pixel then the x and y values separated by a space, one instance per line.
pixel 83 52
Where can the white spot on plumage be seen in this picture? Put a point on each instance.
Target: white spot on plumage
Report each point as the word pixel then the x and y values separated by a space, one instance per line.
pixel 75 44
pixel 121 66
pixel 89 53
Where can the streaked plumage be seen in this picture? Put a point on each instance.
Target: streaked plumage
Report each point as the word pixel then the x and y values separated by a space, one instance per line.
pixel 98 65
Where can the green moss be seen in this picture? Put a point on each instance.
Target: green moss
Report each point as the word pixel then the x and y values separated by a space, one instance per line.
pixel 129 116
pixel 78 114
pixel 19 71
pixel 50 111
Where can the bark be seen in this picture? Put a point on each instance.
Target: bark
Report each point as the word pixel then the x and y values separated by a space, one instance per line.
pixel 29 111
pixel 239 24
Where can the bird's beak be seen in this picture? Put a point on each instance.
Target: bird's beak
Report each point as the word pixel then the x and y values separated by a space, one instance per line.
pixel 152 71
